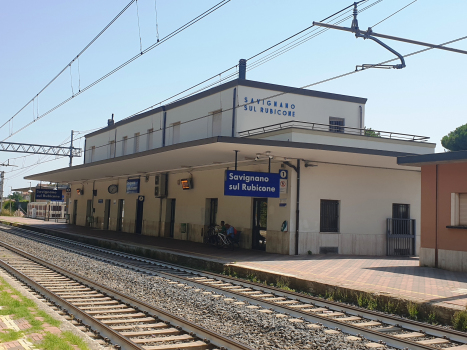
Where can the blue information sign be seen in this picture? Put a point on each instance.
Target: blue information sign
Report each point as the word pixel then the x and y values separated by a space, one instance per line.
pixel 251 184
pixel 50 195
pixel 132 186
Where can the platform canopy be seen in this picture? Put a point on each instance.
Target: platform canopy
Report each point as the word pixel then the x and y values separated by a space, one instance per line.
pixel 220 152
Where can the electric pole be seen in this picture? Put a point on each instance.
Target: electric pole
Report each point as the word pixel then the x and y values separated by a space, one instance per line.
pixel 71 149
pixel 2 181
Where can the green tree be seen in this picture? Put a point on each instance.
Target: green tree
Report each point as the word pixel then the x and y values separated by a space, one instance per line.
pixel 456 140
pixel 17 196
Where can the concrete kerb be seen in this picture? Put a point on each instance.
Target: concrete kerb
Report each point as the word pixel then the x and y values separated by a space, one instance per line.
pixel 153 253
pixel 398 305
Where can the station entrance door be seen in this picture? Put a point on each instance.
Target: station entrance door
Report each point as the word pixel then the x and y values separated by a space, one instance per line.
pixel 260 219
pixel 139 216
pixel 106 214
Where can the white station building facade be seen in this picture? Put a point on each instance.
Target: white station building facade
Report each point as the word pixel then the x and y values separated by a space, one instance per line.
pixel 294 170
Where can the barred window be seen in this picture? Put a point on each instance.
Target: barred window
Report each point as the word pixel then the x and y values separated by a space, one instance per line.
pixel 329 216
pixel 336 124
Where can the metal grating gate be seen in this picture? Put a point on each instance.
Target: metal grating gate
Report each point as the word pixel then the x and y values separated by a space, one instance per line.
pixel 400 237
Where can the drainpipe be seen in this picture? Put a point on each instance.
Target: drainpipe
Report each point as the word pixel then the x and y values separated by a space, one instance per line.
pixel 164 123
pixel 84 161
pixel 233 111
pixel 436 220
pixel 361 119
pixel 297 208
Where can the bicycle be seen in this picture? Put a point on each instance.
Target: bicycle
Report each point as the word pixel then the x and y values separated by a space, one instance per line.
pixel 211 235
pixel 224 241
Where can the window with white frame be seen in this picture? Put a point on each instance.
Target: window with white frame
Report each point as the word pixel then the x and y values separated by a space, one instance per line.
pixel 458 209
pixel 150 139
pixel 93 153
pixel 175 133
pixel 124 145
pixel 112 148
pixel 336 124
pixel 136 143
pixel 217 123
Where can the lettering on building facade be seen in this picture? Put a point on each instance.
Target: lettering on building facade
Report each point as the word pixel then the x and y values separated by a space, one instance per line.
pixel 269 107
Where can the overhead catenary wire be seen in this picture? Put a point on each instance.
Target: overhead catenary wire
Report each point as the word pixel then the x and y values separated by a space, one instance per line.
pixel 78 55
pixel 393 14
pixel 303 87
pixel 320 82
pixel 254 64
pixel 139 28
pixel 157 23
pixel 166 38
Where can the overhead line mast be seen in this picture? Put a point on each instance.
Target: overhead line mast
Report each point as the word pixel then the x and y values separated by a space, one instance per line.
pixel 369 34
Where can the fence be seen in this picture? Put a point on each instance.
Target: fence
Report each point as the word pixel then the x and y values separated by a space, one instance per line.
pixel 47 210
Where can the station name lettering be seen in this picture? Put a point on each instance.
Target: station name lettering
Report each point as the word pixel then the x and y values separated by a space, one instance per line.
pixel 248 178
pixel 270 107
pixel 245 187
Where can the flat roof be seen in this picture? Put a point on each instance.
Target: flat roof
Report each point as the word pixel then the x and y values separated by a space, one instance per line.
pixel 228 85
pixel 219 152
pixel 434 158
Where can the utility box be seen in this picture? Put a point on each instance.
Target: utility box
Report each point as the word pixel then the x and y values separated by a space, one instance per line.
pixel 160 182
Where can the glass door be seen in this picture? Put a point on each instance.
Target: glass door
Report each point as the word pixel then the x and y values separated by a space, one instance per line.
pixel 260 219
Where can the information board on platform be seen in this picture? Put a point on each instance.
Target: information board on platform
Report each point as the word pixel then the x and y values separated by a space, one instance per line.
pixel 132 186
pixel 251 184
pixel 50 195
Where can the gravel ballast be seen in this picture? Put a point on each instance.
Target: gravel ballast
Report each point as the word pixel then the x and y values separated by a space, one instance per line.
pixel 247 325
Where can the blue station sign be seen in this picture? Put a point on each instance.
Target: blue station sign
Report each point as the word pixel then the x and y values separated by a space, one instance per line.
pixel 50 195
pixel 251 184
pixel 132 186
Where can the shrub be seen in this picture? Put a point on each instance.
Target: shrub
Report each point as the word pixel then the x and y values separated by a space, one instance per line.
pixel 459 320
pixel 370 132
pixel 412 309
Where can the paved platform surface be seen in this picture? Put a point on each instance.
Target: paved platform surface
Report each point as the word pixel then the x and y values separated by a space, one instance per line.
pixel 399 277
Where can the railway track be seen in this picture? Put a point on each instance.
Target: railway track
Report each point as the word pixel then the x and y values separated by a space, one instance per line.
pixel 123 322
pixel 375 326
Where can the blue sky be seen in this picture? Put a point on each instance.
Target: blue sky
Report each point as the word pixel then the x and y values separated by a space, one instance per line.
pixel 39 38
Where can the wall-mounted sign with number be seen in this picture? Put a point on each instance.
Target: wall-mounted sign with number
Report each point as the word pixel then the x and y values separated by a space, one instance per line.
pixel 284 175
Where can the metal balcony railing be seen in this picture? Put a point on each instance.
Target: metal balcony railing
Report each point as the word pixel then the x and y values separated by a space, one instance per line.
pixel 333 129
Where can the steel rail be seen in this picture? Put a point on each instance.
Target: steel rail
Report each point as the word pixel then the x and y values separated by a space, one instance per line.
pixel 351 310
pixel 115 337
pixel 189 327
pixel 368 314
pixel 390 37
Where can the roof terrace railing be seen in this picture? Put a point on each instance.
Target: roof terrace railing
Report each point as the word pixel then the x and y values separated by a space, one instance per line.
pixel 332 129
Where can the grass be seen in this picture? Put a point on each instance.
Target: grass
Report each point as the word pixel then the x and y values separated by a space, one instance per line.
pixel 412 309
pixel 459 320
pixel 18 306
pixel 62 342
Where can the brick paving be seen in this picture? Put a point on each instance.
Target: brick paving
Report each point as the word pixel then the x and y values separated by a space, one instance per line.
pixel 396 276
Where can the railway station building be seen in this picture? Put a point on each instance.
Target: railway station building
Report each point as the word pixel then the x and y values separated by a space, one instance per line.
pixel 294 170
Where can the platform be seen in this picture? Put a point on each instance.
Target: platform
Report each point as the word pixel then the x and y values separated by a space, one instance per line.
pixel 393 277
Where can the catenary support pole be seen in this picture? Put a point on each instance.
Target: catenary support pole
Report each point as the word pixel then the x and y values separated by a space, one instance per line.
pixel 236 160
pixel 297 209
pixel 2 178
pixel 71 149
